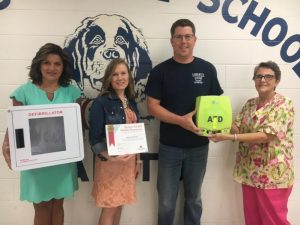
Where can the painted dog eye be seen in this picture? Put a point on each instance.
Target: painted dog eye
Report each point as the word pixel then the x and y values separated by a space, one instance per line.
pixel 97 40
pixel 121 41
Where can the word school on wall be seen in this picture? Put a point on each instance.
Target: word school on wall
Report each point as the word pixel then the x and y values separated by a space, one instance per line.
pixel 261 23
pixel 260 20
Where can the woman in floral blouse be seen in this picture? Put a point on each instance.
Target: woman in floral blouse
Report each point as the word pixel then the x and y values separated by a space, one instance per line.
pixel 264 162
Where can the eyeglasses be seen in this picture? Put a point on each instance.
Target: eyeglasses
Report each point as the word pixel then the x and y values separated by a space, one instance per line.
pixel 187 37
pixel 267 77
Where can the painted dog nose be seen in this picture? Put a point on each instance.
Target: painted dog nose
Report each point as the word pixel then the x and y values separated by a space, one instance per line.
pixel 111 54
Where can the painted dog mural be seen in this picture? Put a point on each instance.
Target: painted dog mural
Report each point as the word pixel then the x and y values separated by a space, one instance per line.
pixel 100 39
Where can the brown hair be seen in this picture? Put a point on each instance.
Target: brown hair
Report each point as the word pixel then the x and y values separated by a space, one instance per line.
pixel 106 86
pixel 182 23
pixel 35 68
pixel 270 65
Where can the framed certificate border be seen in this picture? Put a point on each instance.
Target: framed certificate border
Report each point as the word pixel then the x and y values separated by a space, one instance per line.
pixel 124 139
pixel 44 135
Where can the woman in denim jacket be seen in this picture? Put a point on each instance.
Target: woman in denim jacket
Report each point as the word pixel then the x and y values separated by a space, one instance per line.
pixel 114 179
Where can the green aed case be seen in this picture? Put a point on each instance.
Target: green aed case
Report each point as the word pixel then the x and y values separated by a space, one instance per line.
pixel 214 114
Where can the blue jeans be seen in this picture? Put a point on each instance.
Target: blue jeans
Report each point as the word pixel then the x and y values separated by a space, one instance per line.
pixel 174 162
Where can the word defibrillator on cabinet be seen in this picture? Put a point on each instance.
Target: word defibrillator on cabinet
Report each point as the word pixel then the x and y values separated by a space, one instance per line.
pixel 44 135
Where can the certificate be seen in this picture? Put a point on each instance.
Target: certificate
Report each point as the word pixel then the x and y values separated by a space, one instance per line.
pixel 124 139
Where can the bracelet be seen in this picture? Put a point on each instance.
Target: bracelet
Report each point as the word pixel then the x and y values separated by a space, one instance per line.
pixel 139 161
pixel 235 137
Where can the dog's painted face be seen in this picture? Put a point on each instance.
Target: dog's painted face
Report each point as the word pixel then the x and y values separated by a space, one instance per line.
pixel 104 42
pixel 101 39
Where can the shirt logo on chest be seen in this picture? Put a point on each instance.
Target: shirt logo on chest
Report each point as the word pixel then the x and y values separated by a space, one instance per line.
pixel 198 78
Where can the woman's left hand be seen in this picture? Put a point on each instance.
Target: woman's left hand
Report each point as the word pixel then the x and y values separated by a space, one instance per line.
pixel 218 137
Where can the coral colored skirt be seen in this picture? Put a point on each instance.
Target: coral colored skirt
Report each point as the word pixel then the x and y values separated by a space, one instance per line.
pixel 114 183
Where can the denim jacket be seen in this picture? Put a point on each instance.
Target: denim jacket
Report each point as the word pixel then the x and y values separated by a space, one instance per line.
pixel 106 109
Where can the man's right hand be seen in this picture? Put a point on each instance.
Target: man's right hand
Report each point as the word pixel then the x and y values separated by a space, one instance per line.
pixel 188 123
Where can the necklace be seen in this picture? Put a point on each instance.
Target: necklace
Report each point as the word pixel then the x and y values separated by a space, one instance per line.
pixel 48 91
pixel 125 102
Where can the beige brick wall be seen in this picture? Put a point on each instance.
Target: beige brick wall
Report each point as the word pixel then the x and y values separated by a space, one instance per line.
pixel 26 25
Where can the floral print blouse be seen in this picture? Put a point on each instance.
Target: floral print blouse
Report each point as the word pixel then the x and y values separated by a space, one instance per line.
pixel 266 165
